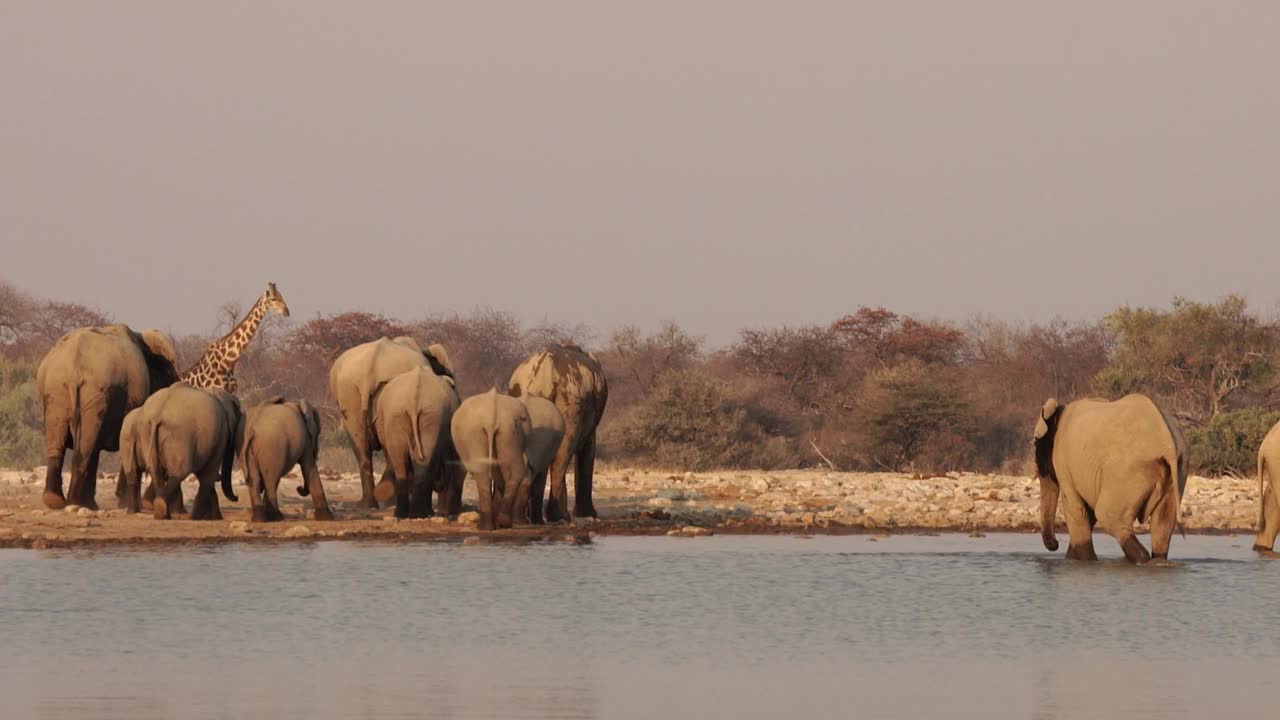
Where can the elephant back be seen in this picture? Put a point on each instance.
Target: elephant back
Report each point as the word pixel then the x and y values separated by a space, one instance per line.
pixel 561 373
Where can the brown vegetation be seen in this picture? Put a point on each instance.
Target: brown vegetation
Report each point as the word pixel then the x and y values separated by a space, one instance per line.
pixel 873 390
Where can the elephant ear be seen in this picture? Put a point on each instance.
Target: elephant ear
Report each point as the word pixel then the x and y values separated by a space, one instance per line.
pixel 1046 414
pixel 160 345
pixel 311 417
pixel 439 359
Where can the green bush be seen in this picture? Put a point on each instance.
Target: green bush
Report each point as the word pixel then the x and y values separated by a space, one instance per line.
pixel 21 436
pixel 688 421
pixel 915 416
pixel 1228 444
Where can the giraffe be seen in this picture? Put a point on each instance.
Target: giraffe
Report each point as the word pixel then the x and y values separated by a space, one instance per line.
pixel 215 368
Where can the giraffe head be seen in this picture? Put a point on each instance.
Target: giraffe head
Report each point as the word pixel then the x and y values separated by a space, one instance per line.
pixel 275 301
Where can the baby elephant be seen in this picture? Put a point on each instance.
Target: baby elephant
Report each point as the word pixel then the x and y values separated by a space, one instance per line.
pixel 411 419
pixel 546 433
pixel 491 433
pixel 183 431
pixel 278 436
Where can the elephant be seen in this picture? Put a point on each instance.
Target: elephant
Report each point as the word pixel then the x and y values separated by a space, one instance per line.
pixel 412 416
pixel 132 430
pixel 185 431
pixel 88 382
pixel 545 436
pixel 1268 502
pixel 574 380
pixel 278 436
pixel 357 374
pixel 491 432
pixel 1113 463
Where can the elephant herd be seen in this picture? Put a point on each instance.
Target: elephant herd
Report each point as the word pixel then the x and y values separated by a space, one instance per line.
pixel 111 388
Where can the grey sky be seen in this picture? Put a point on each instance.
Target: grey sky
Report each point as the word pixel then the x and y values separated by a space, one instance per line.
pixel 721 163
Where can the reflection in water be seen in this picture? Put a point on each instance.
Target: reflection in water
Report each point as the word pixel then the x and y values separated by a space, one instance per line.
pixel 632 628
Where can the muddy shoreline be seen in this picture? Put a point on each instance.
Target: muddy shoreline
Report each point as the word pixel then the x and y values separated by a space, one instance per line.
pixel 631 503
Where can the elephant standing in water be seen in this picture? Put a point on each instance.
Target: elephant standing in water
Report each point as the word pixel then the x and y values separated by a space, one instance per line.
pixel 184 431
pixel 277 437
pixel 88 382
pixel 491 433
pixel 357 374
pixel 1268 501
pixel 575 382
pixel 1113 462
pixel 412 416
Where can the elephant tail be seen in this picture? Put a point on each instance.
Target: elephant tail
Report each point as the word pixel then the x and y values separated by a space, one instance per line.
pixel 246 453
pixel 1175 493
pixel 415 440
pixel 75 417
pixel 1262 492
pixel 151 455
pixel 492 448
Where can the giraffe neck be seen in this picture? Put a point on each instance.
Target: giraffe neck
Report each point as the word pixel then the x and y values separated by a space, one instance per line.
pixel 224 353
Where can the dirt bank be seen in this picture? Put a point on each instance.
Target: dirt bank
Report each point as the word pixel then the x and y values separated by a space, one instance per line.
pixel 630 502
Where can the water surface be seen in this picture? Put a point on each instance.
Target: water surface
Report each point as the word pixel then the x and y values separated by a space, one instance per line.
pixel 902 627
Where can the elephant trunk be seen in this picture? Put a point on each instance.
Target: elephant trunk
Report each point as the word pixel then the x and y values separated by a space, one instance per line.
pixel 1048 511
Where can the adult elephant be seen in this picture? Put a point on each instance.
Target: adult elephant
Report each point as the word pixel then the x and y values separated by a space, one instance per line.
pixel 357 374
pixel 573 380
pixel 88 382
pixel 1268 500
pixel 412 414
pixel 1113 463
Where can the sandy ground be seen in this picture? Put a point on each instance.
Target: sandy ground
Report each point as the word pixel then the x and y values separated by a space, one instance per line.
pixel 630 502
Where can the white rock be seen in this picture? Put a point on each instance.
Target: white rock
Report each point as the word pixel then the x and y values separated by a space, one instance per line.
pixel 298 531
pixel 469 518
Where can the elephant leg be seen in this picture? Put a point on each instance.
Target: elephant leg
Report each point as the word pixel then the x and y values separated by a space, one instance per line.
pixel 422 483
pixel 90 486
pixel 537 490
pixel 202 508
pixel 456 476
pixel 131 501
pixel 271 501
pixel 1079 526
pixel 122 491
pixel 311 475
pixel 1118 509
pixel 515 487
pixel 1266 539
pixel 582 477
pixel 1164 518
pixel 558 502
pixel 57 438
pixel 484 491
pixel 164 493
pixel 524 502
pixel 365 457
pixel 253 478
pixel 401 471
pixel 83 483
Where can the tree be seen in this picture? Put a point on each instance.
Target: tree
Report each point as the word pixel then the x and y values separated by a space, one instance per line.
pixel 325 338
pixel 888 338
pixel 904 407
pixel 806 360
pixel 1199 356
pixel 634 361
pixel 689 422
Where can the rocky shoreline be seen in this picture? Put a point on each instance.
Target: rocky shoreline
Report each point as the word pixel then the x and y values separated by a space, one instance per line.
pixel 631 502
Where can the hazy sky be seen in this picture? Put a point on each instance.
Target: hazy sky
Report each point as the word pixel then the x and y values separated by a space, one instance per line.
pixel 721 163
